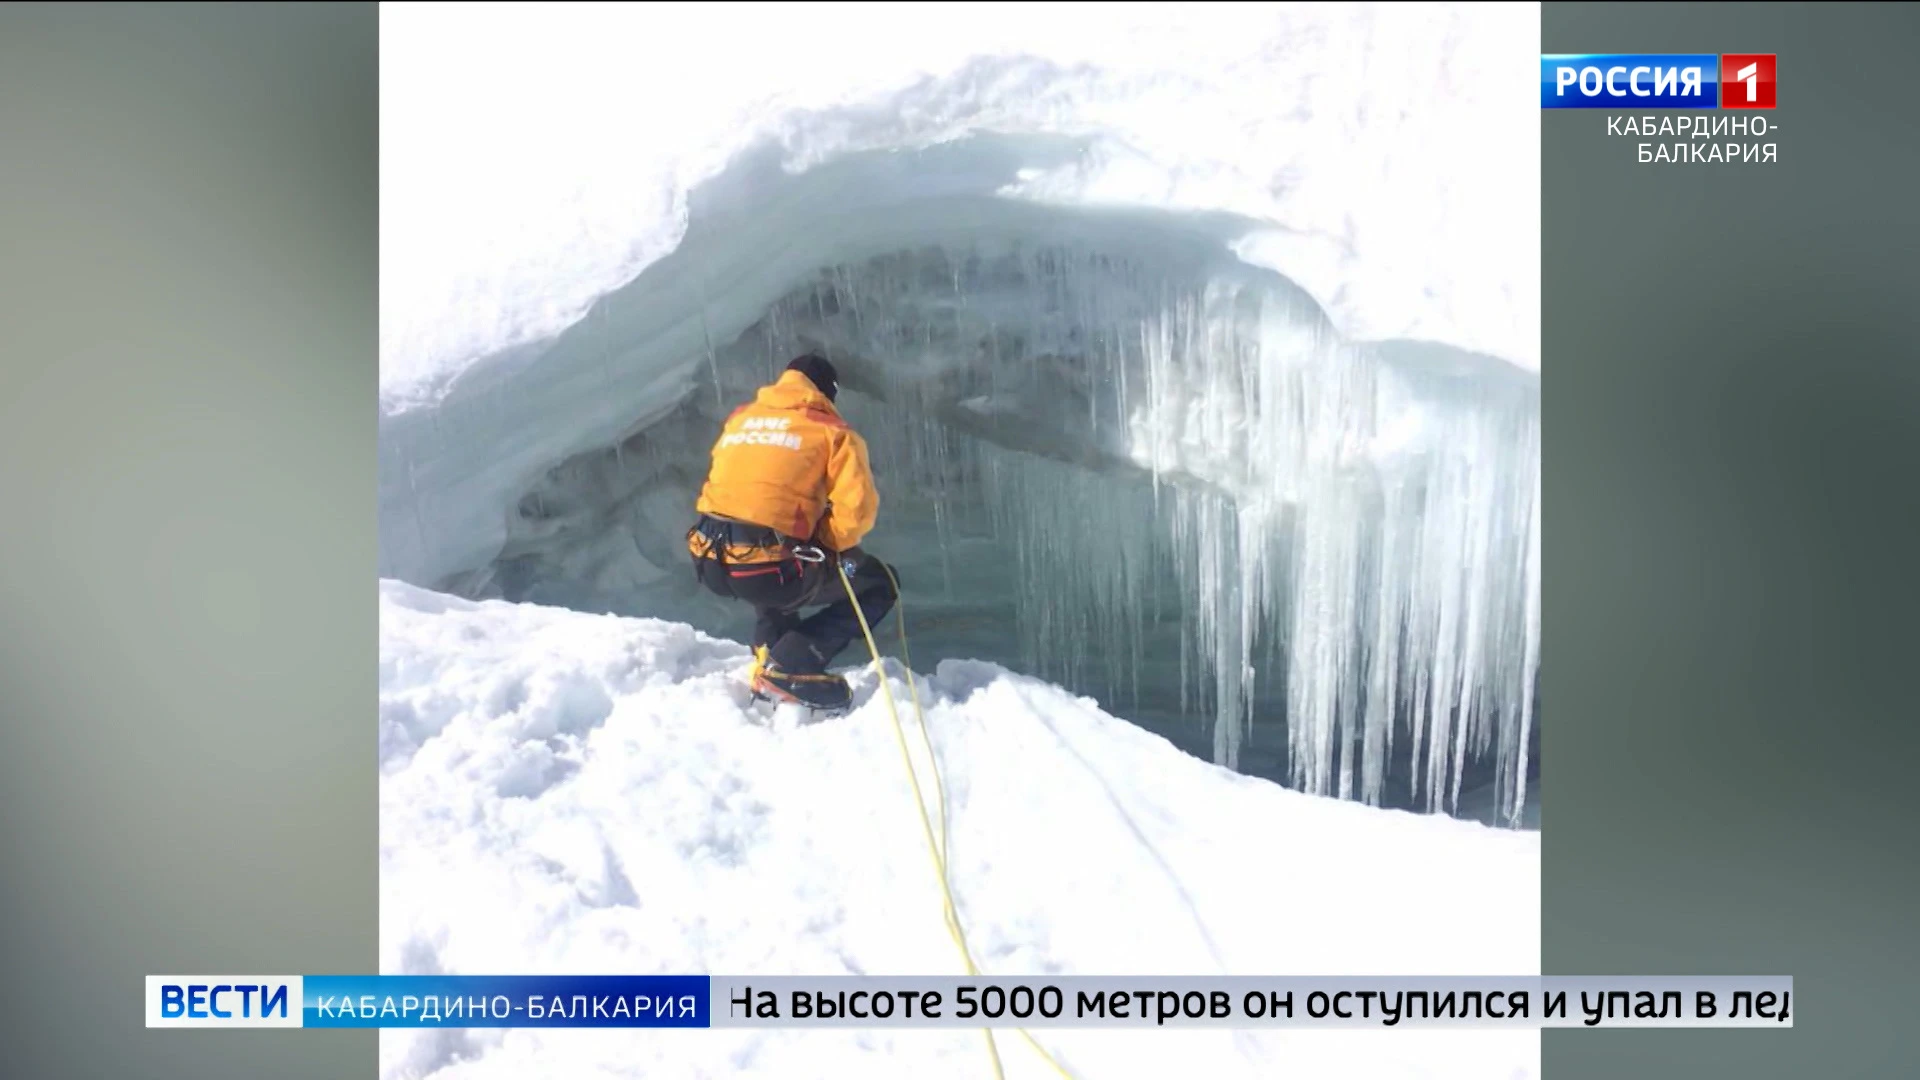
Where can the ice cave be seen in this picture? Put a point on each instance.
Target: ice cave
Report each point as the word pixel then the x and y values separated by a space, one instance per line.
pixel 1112 453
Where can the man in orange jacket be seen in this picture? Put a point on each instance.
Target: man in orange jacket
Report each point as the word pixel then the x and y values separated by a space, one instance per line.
pixel 787 501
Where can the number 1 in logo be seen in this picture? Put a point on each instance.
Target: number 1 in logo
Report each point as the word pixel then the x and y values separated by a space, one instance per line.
pixel 1746 81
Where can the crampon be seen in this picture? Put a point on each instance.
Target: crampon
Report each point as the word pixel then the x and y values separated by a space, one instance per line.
pixel 821 694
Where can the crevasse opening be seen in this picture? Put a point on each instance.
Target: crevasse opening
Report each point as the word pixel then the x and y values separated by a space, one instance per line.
pixel 1110 454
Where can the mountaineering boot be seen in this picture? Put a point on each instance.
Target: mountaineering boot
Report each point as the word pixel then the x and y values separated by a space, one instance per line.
pixel 824 693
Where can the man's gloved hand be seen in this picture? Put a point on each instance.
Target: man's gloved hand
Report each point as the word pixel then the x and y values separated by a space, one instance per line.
pixel 851 560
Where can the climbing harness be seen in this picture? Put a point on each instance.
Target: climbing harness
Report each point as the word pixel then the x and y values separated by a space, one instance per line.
pixel 726 552
pixel 726 543
pixel 936 849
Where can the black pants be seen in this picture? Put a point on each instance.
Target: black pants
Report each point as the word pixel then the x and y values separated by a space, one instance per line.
pixel 778 592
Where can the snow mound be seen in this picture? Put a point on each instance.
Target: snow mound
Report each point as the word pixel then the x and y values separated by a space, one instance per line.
pixel 564 792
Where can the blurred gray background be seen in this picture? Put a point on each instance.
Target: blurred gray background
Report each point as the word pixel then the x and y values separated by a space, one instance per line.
pixel 188 301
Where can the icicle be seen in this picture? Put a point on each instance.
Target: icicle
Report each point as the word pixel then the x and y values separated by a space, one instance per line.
pixel 1350 555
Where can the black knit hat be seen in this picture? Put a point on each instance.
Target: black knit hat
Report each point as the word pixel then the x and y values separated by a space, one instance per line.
pixel 819 372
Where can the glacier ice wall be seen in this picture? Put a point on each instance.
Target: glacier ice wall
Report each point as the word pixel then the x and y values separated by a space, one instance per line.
pixel 1186 476
pixel 1346 525
pixel 1344 539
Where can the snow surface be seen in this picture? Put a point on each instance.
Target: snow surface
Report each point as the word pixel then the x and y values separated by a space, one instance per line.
pixel 535 158
pixel 573 793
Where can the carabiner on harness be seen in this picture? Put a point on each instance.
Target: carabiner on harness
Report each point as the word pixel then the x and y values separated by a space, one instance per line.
pixel 809 553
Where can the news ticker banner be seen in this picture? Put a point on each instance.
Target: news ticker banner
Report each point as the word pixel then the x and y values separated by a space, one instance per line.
pixel 701 1001
pixel 1724 101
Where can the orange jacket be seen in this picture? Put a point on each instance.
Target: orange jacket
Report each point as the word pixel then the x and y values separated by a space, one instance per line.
pixel 789 462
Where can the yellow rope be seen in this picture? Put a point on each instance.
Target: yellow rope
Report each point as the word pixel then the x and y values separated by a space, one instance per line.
pixel 906 661
pixel 934 849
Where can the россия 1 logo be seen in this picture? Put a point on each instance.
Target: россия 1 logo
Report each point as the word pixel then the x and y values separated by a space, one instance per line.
pixel 1657 81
